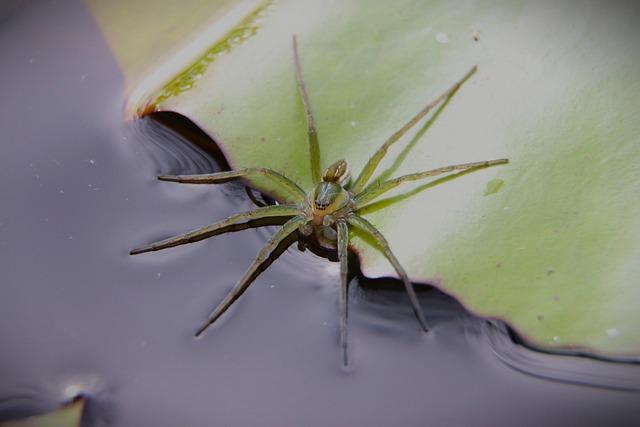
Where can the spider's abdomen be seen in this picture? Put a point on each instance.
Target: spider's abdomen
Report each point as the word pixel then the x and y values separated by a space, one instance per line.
pixel 328 197
pixel 337 172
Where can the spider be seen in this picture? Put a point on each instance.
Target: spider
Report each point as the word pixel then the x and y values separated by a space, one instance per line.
pixel 324 213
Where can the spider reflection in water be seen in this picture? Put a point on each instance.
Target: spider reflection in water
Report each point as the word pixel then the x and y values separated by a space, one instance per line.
pixel 325 213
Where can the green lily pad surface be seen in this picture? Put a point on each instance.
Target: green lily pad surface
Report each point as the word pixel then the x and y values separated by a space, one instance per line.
pixel 549 242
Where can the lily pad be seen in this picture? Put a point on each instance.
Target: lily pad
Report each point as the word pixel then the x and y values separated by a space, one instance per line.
pixel 548 243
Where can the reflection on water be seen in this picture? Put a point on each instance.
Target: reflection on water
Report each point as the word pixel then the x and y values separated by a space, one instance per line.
pixel 580 368
pixel 166 145
pixel 79 315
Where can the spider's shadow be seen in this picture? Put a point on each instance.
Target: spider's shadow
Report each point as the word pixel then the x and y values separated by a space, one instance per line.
pixel 384 203
pixel 387 173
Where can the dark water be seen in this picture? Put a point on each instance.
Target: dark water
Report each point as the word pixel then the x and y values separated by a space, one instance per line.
pixel 79 315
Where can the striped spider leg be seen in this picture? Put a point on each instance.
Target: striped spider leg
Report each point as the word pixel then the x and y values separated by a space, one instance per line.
pixel 290 207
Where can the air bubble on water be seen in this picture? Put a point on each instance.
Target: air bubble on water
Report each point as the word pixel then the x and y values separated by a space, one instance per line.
pixel 79 385
pixel 71 391
pixel 332 268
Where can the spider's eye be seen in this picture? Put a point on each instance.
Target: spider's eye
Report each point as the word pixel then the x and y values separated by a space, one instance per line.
pixel 321 205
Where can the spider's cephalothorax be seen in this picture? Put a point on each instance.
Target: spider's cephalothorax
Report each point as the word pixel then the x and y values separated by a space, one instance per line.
pixel 329 195
pixel 327 211
pixel 327 203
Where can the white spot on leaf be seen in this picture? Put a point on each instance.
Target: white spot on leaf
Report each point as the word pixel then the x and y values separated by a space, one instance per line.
pixel 613 332
pixel 442 37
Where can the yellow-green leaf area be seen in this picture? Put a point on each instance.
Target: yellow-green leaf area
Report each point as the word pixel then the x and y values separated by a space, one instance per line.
pixel 558 263
pixel 240 33
pixel 549 242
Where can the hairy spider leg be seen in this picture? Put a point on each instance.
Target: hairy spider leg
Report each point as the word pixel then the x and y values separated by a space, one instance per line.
pixel 295 193
pixel 312 132
pixel 368 228
pixel 376 189
pixel 343 245
pixel 204 232
pixel 242 285
pixel 377 157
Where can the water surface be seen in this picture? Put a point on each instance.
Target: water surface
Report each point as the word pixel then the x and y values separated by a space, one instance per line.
pixel 79 315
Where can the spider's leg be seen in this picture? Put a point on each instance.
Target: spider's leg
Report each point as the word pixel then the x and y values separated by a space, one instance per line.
pixel 377 157
pixel 314 147
pixel 242 285
pixel 204 232
pixel 368 228
pixel 377 189
pixel 295 193
pixel 343 245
